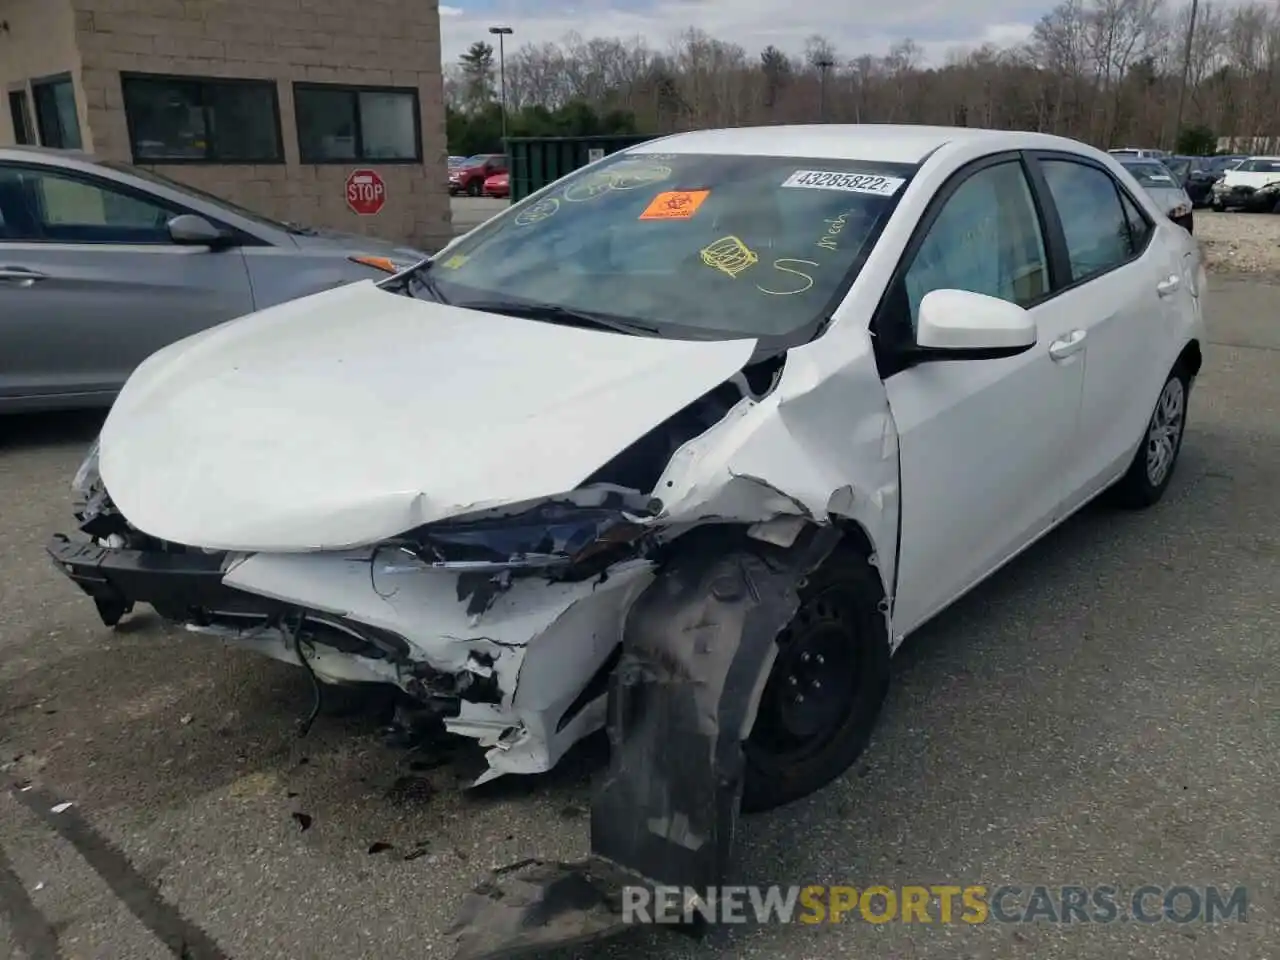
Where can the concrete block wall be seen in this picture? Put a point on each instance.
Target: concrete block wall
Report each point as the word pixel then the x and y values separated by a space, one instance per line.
pixel 357 42
pixel 37 39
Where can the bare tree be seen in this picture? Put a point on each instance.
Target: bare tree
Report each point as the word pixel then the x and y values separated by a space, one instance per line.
pixel 1107 71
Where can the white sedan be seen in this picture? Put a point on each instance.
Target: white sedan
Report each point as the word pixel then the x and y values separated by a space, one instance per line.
pixel 683 445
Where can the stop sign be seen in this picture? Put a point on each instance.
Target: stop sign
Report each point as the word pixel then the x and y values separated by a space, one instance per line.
pixel 366 193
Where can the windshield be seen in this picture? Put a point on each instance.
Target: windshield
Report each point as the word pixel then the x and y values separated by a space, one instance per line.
pixel 689 245
pixel 477 161
pixel 209 198
pixel 1180 166
pixel 1150 173
pixel 1260 165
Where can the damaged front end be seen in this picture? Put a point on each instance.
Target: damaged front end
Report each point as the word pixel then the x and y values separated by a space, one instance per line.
pixel 445 613
pixel 648 600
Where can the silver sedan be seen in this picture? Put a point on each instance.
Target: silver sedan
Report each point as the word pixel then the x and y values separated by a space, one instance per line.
pixel 101 264
pixel 1163 187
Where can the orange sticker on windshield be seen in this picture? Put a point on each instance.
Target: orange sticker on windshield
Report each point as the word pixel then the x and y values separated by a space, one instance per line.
pixel 675 205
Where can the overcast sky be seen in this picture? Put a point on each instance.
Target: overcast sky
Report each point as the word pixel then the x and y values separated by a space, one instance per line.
pixel 854 26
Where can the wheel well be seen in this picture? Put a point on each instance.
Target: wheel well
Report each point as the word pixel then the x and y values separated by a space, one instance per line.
pixel 1190 359
pixel 853 535
pixel 854 539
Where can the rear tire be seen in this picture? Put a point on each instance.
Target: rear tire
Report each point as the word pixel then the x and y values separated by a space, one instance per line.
pixel 827 686
pixel 1218 206
pixel 1153 464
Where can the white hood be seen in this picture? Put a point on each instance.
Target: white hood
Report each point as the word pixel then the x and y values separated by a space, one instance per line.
pixel 1249 178
pixel 357 414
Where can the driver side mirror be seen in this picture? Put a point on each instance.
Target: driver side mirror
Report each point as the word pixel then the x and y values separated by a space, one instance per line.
pixel 188 229
pixel 962 325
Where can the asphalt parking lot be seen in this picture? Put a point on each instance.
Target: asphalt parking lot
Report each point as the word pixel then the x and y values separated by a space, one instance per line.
pixel 1105 711
pixel 470 212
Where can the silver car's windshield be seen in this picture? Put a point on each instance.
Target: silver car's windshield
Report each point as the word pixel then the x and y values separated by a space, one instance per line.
pixel 683 245
pixel 1150 173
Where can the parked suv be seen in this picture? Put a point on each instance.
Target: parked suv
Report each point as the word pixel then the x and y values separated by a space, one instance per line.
pixel 469 176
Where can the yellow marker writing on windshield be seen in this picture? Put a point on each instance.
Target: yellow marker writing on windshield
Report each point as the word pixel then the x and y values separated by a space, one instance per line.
pixel 729 255
pixel 800 277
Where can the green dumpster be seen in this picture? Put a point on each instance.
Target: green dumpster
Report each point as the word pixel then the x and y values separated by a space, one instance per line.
pixel 536 161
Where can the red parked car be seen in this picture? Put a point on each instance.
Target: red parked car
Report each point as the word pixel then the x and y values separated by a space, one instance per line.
pixel 469 176
pixel 499 185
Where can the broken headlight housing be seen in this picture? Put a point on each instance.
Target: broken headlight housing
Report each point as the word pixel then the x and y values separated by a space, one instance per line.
pixel 563 538
pixel 87 477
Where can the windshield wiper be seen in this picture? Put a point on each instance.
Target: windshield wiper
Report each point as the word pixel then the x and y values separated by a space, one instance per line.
pixel 420 276
pixel 298 230
pixel 553 313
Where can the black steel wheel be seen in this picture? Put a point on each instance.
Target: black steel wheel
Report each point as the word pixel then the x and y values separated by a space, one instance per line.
pixel 826 687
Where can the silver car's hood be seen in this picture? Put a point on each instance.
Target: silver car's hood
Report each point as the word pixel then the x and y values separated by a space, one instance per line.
pixel 357 414
pixel 354 244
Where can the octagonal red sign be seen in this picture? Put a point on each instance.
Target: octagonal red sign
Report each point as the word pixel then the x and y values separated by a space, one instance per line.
pixel 366 193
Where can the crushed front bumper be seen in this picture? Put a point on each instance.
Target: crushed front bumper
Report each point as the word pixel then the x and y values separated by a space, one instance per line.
pixel 523 673
pixel 173 583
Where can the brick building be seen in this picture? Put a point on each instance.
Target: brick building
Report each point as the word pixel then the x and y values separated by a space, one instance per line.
pixel 267 103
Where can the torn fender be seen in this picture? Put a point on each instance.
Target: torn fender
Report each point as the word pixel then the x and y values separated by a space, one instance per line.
pixel 698 648
pixel 823 445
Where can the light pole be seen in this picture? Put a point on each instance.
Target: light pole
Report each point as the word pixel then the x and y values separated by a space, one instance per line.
pixel 1186 69
pixel 823 65
pixel 502 33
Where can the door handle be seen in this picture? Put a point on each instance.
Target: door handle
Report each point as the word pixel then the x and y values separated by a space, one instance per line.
pixel 1070 344
pixel 1168 285
pixel 20 276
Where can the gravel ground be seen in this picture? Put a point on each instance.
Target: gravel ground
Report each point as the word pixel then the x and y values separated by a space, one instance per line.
pixel 1105 711
pixel 1247 243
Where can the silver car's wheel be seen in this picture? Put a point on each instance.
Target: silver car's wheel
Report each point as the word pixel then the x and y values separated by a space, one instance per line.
pixel 1165 432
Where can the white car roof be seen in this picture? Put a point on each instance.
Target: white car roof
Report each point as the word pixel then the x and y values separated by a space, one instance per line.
pixel 888 143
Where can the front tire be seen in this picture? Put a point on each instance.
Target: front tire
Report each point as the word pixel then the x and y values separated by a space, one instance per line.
pixel 474 188
pixel 1152 468
pixel 826 688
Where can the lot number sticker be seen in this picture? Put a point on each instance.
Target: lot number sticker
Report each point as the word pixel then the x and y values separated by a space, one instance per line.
pixel 848 182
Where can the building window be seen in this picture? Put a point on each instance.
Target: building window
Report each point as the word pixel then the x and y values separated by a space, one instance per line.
pixel 199 120
pixel 338 124
pixel 56 117
pixel 23 133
